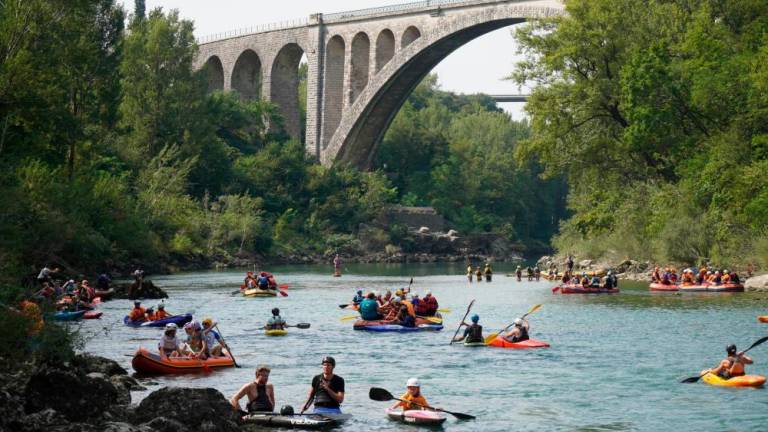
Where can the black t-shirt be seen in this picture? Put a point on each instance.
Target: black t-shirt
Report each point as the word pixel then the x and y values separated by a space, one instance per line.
pixel 322 398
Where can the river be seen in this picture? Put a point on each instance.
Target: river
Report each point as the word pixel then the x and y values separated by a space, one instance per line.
pixel 614 364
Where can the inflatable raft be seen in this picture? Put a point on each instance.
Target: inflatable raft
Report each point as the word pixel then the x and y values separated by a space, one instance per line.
pixel 500 342
pixel 416 417
pixel 256 292
pixel 580 289
pixel 740 381
pixel 389 326
pixel 68 316
pixel 179 320
pixel 707 287
pixel 93 315
pixel 151 363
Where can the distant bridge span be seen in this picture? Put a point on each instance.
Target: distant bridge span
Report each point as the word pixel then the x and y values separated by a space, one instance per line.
pixel 362 65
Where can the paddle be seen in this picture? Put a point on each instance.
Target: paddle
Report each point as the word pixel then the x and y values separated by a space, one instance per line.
pixel 350 317
pixel 462 321
pixel 381 395
pixel 226 346
pixel 696 378
pixel 493 336
pixel 409 285
pixel 435 320
pixel 299 325
pixel 444 310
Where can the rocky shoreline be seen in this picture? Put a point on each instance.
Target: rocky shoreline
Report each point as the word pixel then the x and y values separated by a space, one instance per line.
pixel 92 394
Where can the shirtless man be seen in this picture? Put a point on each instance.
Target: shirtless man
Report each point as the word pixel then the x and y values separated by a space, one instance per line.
pixel 261 395
pixel 733 365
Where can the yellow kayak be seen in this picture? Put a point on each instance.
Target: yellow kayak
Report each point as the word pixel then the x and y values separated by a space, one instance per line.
pixel 739 381
pixel 275 332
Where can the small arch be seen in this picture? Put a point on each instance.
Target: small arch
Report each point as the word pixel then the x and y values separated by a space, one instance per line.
pixel 385 48
pixel 246 76
pixel 409 35
pixel 333 93
pixel 285 88
pixel 214 72
pixel 361 54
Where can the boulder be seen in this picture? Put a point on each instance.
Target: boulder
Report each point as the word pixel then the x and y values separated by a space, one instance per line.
pixel 123 427
pixel 46 419
pixel 124 385
pixel 585 264
pixel 424 230
pixel 90 363
pixel 162 424
pixel 452 233
pixel 196 409
pixel 544 261
pixel 757 283
pixel 11 411
pixel 77 396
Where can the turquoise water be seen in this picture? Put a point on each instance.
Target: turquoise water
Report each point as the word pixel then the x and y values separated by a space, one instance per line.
pixel 614 364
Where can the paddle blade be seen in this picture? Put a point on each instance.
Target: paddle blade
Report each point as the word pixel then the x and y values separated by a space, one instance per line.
pixel 283 287
pixel 690 380
pixel 283 293
pixel 490 338
pixel 349 317
pixel 342 306
pixel 460 416
pixel 534 309
pixel 380 394
pixel 302 325
pixel 444 310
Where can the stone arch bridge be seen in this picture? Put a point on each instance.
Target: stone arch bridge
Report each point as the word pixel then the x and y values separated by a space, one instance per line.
pixel 362 65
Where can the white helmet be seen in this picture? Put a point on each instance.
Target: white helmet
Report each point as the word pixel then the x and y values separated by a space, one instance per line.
pixel 413 382
pixel 428 293
pixel 518 322
pixel 171 326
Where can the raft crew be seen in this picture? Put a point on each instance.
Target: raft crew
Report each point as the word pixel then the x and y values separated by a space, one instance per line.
pixel 428 305
pixel 275 322
pixel 705 275
pixel 369 308
pixel 261 394
pixel 327 390
pixel 250 281
pixel 263 281
pixel 519 331
pixel 488 272
pixel 412 399
pixel 473 333
pixel 406 315
pixel 169 345
pixel 213 343
pixel 733 365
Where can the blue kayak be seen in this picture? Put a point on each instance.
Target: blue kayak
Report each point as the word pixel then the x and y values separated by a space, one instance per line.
pixel 68 316
pixel 179 320
pixel 386 326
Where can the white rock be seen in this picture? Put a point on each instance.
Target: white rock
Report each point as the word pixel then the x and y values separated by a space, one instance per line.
pixel 424 230
pixel 757 283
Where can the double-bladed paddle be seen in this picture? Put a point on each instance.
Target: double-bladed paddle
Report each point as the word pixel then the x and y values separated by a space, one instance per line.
pixel 382 395
pixel 462 321
pixel 493 336
pixel 299 325
pixel 696 378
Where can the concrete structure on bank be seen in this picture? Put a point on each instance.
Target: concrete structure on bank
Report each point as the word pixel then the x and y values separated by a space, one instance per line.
pixel 362 65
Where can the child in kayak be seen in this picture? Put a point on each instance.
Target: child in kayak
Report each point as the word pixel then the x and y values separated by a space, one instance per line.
pixel 733 365
pixel 412 397
pixel 473 333
pixel 169 345
pixel 276 322
pixel 519 331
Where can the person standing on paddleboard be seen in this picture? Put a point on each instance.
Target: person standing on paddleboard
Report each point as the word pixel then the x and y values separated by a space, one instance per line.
pixel 327 390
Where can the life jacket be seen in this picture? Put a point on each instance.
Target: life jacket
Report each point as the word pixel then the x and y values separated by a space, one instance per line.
pixel 137 314
pixel 726 279
pixel 422 308
pixel 261 402
pixel 475 333
pixel 161 314
pixel 263 282
pixel 432 305
pixel 409 305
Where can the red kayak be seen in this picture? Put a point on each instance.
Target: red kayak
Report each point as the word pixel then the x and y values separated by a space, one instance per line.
pixel 93 315
pixel 500 342
pixel 151 363
pixel 580 289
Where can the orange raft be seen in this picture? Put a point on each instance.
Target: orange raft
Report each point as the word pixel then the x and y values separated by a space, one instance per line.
pixel 149 363
pixel 763 319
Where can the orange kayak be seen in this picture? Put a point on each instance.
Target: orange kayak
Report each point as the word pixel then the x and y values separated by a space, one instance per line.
pixel 500 342
pixel 151 363
pixel 739 381
pixel 763 319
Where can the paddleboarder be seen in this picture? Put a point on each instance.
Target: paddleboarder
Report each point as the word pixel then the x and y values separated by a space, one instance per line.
pixel 327 390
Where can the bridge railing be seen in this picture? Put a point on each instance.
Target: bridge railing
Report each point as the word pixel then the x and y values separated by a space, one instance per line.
pixel 397 8
pixel 262 28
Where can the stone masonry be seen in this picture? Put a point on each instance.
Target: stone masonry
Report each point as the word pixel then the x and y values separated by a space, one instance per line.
pixel 362 65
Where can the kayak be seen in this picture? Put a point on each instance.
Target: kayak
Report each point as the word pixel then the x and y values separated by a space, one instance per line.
pixel 417 417
pixel 763 319
pixel 578 289
pixel 152 364
pixel 179 320
pixel 93 315
pixel 275 332
pixel 739 381
pixel 296 421
pixel 69 316
pixel 256 292
pixel 500 342
pixel 655 286
pixel 389 326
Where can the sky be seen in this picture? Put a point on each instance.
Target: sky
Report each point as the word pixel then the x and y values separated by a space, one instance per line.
pixel 473 68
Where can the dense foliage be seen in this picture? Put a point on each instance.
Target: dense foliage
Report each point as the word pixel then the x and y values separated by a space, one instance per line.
pixel 656 113
pixel 456 153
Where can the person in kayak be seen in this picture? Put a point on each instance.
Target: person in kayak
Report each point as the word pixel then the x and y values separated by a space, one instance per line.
pixel 169 345
pixel 358 298
pixel 261 394
pixel 411 397
pixel 327 390
pixel 138 313
pixel 519 331
pixel 473 333
pixel 213 343
pixel 275 322
pixel 733 365
pixel 369 308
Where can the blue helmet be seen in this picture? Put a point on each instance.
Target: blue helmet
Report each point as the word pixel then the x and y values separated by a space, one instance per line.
pixel 475 318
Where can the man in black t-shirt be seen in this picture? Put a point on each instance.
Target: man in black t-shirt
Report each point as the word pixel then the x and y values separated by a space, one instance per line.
pixel 327 390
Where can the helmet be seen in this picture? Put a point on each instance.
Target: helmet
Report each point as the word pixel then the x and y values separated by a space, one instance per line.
pixel 396 300
pixel 398 293
pixel 286 410
pixel 726 271
pixel 360 292
pixel 207 322
pixel 189 326
pixel 413 382
pixel 150 310
pixel 428 293
pixel 171 326
pixel 414 294
pixel 137 303
pixel 275 311
pixel 610 272
pixel 475 318
pixel 518 322
pixel 161 306
pixel 717 272
pixel 709 272
pixel 731 349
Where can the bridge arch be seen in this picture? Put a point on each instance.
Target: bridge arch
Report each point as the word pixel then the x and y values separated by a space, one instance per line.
pixel 284 88
pixel 334 87
pixel 361 56
pixel 214 72
pixel 247 75
pixel 409 35
pixel 385 48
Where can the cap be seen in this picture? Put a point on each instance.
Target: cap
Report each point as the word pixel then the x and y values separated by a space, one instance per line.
pixel 330 360
pixel 413 382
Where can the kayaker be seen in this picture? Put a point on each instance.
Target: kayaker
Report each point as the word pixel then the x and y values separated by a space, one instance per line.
pixel 474 331
pixel 488 272
pixel 261 394
pixel 161 313
pixel 469 273
pixel 358 298
pixel 733 365
pixel 369 308
pixel 412 396
pixel 327 390
pixel 519 331
pixel 275 322
pixel 138 313
pixel 169 345
pixel 213 343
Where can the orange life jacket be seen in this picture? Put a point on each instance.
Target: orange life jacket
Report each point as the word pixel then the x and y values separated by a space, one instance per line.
pixel 137 314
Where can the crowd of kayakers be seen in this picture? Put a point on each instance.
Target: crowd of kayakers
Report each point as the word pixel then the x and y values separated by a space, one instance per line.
pixel 691 276
pixel 402 308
